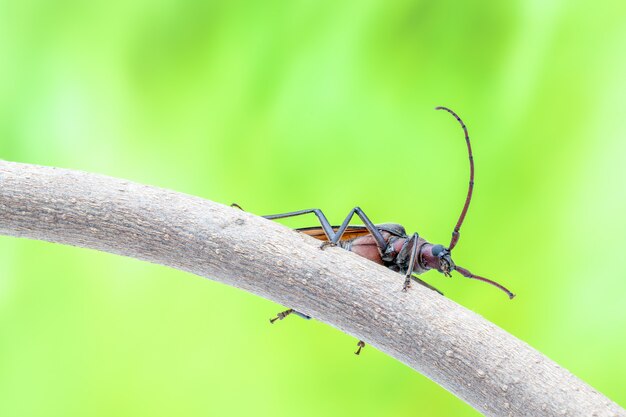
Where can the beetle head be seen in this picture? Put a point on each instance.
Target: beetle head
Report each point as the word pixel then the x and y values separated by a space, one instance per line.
pixel 446 265
pixel 435 257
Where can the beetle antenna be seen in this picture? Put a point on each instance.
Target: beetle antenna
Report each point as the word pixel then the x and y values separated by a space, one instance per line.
pixel 455 233
pixel 468 274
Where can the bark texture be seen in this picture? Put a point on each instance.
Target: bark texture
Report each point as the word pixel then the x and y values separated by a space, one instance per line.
pixel 480 363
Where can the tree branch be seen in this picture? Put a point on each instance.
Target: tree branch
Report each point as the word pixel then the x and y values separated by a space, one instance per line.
pixel 474 359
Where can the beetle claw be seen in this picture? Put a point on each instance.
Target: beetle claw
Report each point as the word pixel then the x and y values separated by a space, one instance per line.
pixel 281 315
pixel 326 244
pixel 407 283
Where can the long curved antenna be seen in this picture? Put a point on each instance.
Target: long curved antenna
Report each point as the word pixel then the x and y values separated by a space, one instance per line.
pixel 455 233
pixel 468 274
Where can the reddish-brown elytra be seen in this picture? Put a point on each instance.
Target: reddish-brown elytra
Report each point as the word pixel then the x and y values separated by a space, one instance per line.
pixel 389 244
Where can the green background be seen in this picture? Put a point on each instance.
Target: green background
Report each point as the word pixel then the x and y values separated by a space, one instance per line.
pixel 285 105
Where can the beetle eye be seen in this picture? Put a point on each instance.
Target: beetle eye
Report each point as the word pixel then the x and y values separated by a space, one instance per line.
pixel 437 250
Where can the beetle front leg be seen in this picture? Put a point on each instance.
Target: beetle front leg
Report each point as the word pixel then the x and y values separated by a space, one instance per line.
pixel 425 284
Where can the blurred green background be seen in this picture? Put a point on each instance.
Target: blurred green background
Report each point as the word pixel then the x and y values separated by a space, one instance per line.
pixel 282 106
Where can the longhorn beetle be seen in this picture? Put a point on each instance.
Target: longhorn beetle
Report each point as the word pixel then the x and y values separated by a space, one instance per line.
pixel 389 244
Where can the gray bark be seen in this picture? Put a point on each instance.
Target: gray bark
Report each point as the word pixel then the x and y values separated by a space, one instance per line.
pixel 477 361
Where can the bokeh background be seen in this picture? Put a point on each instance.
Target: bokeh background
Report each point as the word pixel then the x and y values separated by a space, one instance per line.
pixel 281 106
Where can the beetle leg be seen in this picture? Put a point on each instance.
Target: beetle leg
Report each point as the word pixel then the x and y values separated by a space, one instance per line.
pixel 334 237
pixel 425 284
pixel 285 313
pixel 412 260
pixel 281 315
pixel 326 227
pixel 378 236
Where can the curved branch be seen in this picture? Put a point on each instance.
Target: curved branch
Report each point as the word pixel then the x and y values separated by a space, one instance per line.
pixel 474 359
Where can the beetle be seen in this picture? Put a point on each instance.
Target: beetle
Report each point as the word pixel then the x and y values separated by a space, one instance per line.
pixel 389 244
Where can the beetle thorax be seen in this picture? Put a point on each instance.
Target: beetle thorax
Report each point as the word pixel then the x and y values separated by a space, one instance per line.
pixel 398 255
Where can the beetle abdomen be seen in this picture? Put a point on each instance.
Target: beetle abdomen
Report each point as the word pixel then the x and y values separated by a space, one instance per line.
pixel 364 246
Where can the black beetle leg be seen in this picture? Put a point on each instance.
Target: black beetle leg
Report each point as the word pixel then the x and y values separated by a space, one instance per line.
pixel 361 345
